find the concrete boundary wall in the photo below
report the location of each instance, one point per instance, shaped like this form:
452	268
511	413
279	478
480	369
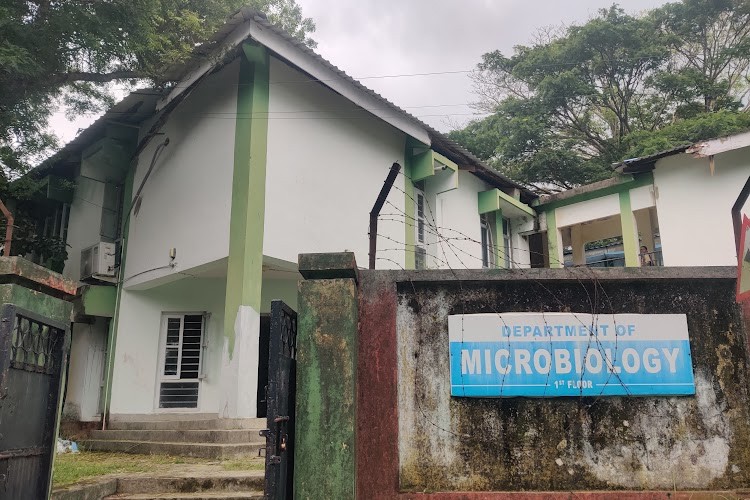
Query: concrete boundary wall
415	441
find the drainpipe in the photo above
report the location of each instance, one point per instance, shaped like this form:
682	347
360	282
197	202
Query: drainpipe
112	337
375	212
737	216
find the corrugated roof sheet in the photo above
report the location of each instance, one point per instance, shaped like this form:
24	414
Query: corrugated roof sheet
645	163
133	109
211	48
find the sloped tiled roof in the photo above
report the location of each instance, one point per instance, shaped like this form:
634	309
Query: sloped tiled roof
221	48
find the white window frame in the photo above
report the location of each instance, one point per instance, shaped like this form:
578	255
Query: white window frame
507	242
487	242
162	377
420	245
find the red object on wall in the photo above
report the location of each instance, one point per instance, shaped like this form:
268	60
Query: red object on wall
743	260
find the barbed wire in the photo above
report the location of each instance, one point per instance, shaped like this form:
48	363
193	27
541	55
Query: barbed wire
446	240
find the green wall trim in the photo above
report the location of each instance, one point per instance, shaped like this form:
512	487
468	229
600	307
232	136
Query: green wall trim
325	450
423	165
410	238
637	181
445	161
516	203
492	200
99	300
553	236
488	201
629	235
245	266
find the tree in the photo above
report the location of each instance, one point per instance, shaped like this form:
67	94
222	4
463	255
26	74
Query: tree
710	42
577	100
580	93
56	52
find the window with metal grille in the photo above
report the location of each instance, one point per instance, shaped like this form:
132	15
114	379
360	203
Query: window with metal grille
183	348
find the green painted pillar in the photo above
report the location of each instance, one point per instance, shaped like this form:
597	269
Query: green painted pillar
326	411
240	352
244	276
629	231
554	245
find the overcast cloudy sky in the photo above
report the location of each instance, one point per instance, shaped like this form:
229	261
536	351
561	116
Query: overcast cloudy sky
372	38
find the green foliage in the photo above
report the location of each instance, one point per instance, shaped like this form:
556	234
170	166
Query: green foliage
567	107
48	251
702	127
65	52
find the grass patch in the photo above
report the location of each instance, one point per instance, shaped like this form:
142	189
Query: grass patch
71	468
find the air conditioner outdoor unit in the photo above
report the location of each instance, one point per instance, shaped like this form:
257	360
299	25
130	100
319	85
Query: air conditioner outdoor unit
98	260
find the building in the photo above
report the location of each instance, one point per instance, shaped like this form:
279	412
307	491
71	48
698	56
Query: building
677	204
204	194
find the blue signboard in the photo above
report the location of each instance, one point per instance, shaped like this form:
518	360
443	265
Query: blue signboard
569	354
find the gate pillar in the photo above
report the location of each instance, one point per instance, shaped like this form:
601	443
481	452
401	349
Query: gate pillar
35	315
325	450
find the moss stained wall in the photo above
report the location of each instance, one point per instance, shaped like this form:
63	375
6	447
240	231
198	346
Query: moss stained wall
326	410
38	302
461	444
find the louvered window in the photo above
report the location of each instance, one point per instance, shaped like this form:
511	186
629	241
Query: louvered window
183	346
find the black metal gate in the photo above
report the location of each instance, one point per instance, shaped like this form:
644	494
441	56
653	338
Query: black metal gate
33	350
280	392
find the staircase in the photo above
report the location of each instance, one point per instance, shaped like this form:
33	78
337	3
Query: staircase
205	438
198	485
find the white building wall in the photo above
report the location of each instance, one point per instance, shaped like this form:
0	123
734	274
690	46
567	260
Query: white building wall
459	222
642	197
521	257
134	382
279	288
588	210
186	200
327	161
694	207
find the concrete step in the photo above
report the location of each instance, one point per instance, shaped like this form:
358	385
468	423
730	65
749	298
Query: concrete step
197	424
235	481
201	450
222	436
222	495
